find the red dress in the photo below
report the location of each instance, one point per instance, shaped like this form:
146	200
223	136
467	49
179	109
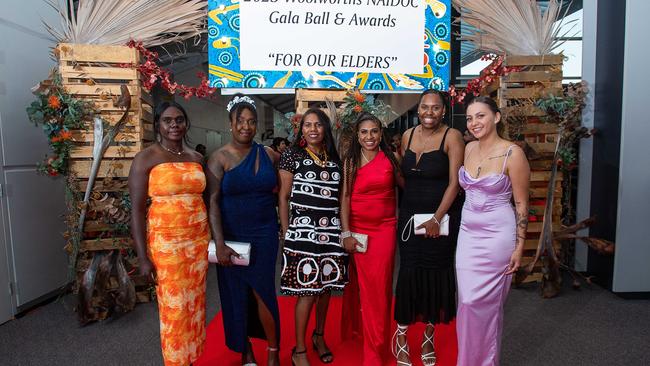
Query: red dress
372	212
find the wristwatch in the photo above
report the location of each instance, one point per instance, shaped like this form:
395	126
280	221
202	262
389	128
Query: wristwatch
346	234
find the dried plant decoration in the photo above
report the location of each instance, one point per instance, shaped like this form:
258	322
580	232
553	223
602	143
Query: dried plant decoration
116	22
517	27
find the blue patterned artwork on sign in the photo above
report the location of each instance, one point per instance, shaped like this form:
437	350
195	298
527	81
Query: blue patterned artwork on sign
224	55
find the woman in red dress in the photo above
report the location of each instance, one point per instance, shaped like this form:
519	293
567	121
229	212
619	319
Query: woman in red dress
368	205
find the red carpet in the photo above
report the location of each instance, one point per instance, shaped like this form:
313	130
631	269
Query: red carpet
345	353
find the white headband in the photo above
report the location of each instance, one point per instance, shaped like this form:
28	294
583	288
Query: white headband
237	100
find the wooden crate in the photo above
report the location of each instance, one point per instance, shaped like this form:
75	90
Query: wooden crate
538	77
308	98
95	73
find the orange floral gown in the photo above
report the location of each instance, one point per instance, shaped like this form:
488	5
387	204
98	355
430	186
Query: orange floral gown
177	238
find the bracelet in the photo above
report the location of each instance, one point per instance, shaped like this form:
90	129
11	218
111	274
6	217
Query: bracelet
435	220
346	234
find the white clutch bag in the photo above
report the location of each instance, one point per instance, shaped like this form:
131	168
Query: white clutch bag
243	249
363	242
418	219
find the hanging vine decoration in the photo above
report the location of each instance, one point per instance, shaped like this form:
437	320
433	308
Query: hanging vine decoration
487	76
152	73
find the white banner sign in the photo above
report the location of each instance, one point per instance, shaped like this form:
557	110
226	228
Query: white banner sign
382	36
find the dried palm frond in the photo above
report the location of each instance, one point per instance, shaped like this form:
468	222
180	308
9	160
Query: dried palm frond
115	22
517	27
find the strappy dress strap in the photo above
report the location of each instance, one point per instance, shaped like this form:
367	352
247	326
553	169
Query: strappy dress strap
408	146
442	143
505	160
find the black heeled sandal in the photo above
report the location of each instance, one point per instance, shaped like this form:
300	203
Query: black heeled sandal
296	353
323	356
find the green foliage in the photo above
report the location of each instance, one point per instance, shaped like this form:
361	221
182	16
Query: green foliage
357	103
566	111
58	112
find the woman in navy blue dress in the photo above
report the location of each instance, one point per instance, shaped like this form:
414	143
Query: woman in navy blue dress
242	177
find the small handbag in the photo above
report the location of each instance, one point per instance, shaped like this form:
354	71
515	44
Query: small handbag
363	242
418	219
243	249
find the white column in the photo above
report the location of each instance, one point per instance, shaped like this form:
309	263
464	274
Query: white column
631	269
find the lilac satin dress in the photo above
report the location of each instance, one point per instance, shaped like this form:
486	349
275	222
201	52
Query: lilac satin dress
486	242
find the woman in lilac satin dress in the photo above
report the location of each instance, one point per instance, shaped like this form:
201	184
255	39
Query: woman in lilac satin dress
492	233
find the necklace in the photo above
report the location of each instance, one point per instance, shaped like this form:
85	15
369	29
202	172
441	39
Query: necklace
480	163
320	162
179	153
432	133
365	158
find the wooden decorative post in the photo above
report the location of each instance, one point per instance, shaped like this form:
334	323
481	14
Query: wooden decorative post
95	73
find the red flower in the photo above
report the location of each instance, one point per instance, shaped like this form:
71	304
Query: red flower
358	96
357	108
53	102
65	135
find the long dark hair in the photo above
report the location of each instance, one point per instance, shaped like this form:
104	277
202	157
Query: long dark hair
485	100
353	154
161	108
328	140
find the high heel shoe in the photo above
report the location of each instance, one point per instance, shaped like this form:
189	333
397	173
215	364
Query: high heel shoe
296	353
325	357
428	359
398	348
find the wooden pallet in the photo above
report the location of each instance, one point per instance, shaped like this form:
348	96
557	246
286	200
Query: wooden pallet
540	76
308	98
95	73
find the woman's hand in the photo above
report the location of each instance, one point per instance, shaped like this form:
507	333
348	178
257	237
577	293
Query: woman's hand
224	253
515	261
350	244
147	269
283	233
432	228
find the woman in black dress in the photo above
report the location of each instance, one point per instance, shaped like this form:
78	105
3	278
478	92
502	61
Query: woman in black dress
314	261
426	284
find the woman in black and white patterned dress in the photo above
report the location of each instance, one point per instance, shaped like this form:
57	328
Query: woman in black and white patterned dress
314	261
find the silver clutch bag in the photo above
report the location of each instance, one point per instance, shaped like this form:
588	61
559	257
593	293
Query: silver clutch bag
243	249
363	242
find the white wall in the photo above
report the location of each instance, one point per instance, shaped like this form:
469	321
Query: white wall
206	115
589	21
632	258
32	205
209	118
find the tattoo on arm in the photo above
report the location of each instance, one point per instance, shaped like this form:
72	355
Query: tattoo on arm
522	220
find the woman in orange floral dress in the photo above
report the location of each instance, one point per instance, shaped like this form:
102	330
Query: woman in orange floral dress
172	241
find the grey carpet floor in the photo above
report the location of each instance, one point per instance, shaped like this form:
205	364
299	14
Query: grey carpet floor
586	327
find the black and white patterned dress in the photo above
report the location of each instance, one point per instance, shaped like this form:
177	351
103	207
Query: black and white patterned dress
313	259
